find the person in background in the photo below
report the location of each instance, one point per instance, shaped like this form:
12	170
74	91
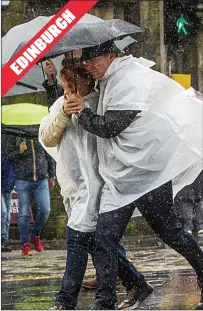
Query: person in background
35	174
189	204
7	185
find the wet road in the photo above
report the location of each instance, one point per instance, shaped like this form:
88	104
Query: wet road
31	283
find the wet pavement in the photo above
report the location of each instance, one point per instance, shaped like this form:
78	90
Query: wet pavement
31	283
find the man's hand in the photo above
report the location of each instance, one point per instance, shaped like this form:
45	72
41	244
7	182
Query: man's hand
73	105
50	71
23	146
52	183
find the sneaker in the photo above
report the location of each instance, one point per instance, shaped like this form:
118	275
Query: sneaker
26	249
189	231
35	240
58	307
200	231
200	305
61	307
135	296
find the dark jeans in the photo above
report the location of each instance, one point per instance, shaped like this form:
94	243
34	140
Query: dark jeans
79	244
157	209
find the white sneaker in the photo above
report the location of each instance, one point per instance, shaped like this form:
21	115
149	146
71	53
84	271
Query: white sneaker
189	231
200	231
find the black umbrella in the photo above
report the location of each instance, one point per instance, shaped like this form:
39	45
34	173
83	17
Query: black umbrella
89	34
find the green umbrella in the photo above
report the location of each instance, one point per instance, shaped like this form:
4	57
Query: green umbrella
22	119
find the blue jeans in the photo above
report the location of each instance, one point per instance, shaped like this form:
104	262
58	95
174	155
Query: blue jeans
25	189
79	244
5	215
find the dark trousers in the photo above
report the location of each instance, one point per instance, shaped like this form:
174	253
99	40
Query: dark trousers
79	244
157	209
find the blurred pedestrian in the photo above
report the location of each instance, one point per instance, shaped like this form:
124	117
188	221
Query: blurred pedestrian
7	185
35	174
189	204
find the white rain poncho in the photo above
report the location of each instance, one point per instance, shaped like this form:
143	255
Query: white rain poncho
77	169
163	143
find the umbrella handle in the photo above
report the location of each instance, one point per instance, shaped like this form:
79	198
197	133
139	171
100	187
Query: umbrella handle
43	70
74	72
55	87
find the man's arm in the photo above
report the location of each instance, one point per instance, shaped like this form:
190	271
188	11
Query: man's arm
20	153
110	125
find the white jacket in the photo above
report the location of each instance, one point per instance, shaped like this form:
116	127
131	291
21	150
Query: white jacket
163	144
77	165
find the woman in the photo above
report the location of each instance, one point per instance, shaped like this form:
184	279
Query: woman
77	173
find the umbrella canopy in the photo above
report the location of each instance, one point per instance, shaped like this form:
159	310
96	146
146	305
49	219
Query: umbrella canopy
19	35
84	35
34	78
88	35
22	119
32	81
26	31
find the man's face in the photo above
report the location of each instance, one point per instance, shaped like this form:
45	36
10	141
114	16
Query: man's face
97	66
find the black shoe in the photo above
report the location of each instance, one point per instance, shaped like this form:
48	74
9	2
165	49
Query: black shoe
200	305
135	296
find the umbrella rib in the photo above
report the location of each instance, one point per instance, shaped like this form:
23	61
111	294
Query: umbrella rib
27	85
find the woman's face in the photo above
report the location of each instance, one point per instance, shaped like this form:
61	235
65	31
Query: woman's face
69	81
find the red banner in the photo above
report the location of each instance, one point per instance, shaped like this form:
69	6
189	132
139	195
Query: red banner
38	46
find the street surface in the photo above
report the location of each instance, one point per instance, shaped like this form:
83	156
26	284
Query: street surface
31	283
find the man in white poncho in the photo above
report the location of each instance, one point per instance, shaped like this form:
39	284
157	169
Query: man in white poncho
139	155
77	174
